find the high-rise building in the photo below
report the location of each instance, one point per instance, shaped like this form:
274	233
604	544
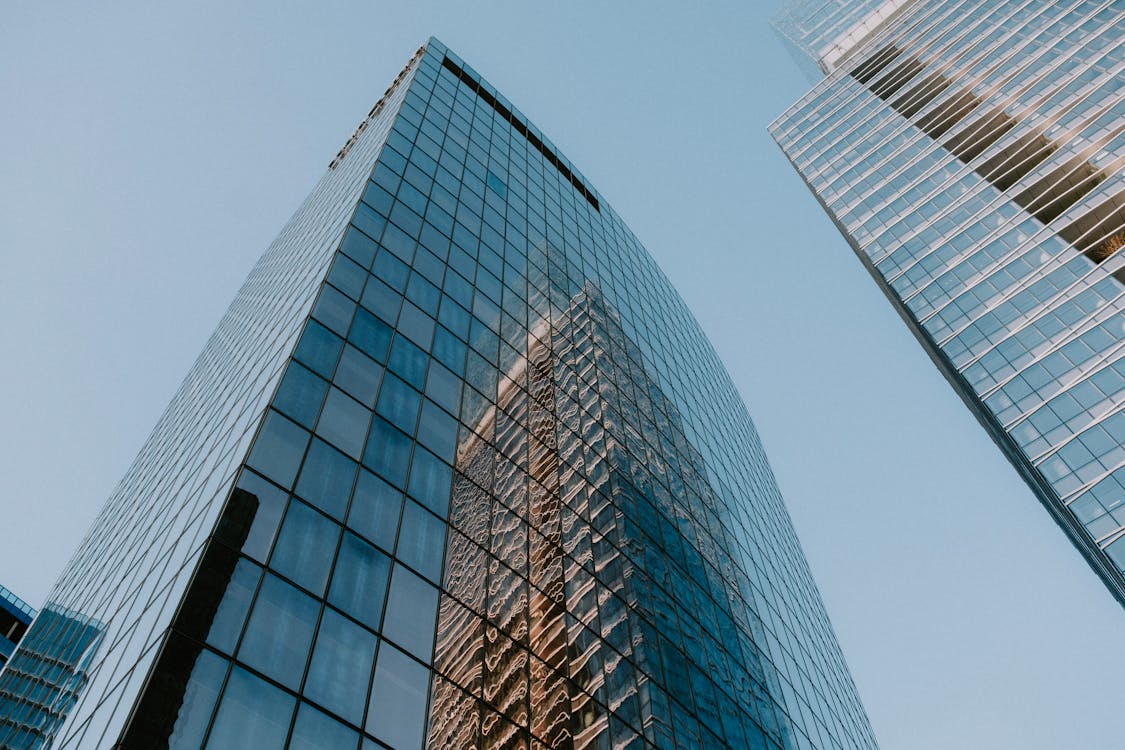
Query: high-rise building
457	469
15	616
971	152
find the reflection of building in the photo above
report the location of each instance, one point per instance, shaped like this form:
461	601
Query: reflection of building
972	155
589	638
459	469
15	616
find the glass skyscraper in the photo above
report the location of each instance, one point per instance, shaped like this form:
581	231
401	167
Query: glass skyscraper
15	616
971	152
458	469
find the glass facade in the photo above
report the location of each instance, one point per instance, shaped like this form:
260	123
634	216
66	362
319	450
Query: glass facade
15	616
971	153
495	489
825	32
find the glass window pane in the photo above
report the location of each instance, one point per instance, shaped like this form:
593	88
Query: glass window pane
280	632
388	452
437	431
430	481
334	310
319	349
343	422
316	730
347	276
398	402
300	394
176	707
359	582
444	387
375	510
268	503
278	449
416	325
411	609
408	362
305	547
359	376
253	713
341	666
371	335
396	712
326	479
226	625
359	247
421	543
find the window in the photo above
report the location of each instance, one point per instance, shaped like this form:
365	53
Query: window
421	543
278	449
305	547
253	714
326	479
343	422
315	730
375	510
359	583
280	631
396	713
411	609
341	666
300	394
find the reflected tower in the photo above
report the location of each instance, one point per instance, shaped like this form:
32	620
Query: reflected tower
458	469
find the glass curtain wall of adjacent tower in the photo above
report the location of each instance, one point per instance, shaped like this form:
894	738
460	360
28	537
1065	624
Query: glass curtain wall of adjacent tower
972	154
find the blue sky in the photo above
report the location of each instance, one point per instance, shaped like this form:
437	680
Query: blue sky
149	153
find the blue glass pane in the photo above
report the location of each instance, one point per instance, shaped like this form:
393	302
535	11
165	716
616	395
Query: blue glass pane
396	712
300	394
278	449
334	310
375	510
430	480
359	582
359	376
326	479
315	730
359	247
305	547
408	362
253	713
268	503
319	348
280	632
398	403
421	543
437	431
388	452
411	608
370	335
341	666
194	711
227	623
343	422
347	276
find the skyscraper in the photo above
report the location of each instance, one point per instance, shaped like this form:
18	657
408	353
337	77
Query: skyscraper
15	616
971	153
457	469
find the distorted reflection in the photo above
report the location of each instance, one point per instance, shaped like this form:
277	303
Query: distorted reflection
577	574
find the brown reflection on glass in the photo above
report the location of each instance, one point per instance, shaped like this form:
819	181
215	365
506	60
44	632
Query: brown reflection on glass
553	595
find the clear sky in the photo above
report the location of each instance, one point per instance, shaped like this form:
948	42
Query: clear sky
148	155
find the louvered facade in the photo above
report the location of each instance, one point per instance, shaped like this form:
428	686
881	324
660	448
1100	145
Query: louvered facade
971	152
